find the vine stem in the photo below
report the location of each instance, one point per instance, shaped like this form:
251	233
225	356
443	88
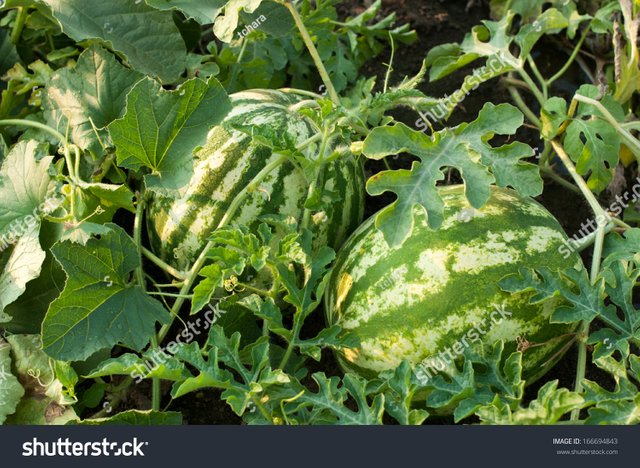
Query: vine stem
595	264
71	166
19	25
532	86
29	123
137	238
517	98
162	264
313	51
572	57
202	258
548	171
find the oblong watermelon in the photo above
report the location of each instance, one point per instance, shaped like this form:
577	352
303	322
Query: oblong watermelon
179	227
439	290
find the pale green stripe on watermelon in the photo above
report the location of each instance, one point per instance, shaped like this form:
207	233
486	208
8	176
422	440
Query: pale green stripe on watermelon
412	301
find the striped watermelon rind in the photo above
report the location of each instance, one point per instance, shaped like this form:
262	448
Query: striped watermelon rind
179	227
413	301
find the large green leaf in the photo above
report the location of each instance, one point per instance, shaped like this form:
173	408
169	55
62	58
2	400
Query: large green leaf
95	90
203	11
98	307
161	129
10	389
148	38
23	265
465	148
25	185
25	191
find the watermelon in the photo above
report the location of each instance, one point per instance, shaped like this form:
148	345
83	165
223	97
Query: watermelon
437	294
179	226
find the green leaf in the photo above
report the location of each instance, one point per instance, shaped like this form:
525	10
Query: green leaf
49	385
203	11
548	408
490	40
8	54
136	418
333	337
552	116
624	246
95	90
618	332
583	301
458	148
620	406
10	389
98	307
210	375
25	191
23	265
551	21
316	267
152	364
131	28
592	142
401	388
484	375
25	186
327	406
161	129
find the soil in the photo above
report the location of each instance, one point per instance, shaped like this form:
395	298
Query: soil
436	22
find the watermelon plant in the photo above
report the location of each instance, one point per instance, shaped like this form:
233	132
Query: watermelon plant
183	219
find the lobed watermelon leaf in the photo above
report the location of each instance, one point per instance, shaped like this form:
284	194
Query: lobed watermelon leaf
465	148
473	387
548	408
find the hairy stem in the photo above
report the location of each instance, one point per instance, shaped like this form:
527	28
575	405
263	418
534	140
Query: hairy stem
19	25
595	264
162	264
137	237
313	51
572	57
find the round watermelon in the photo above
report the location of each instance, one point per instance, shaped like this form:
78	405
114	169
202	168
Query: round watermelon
437	294
180	226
